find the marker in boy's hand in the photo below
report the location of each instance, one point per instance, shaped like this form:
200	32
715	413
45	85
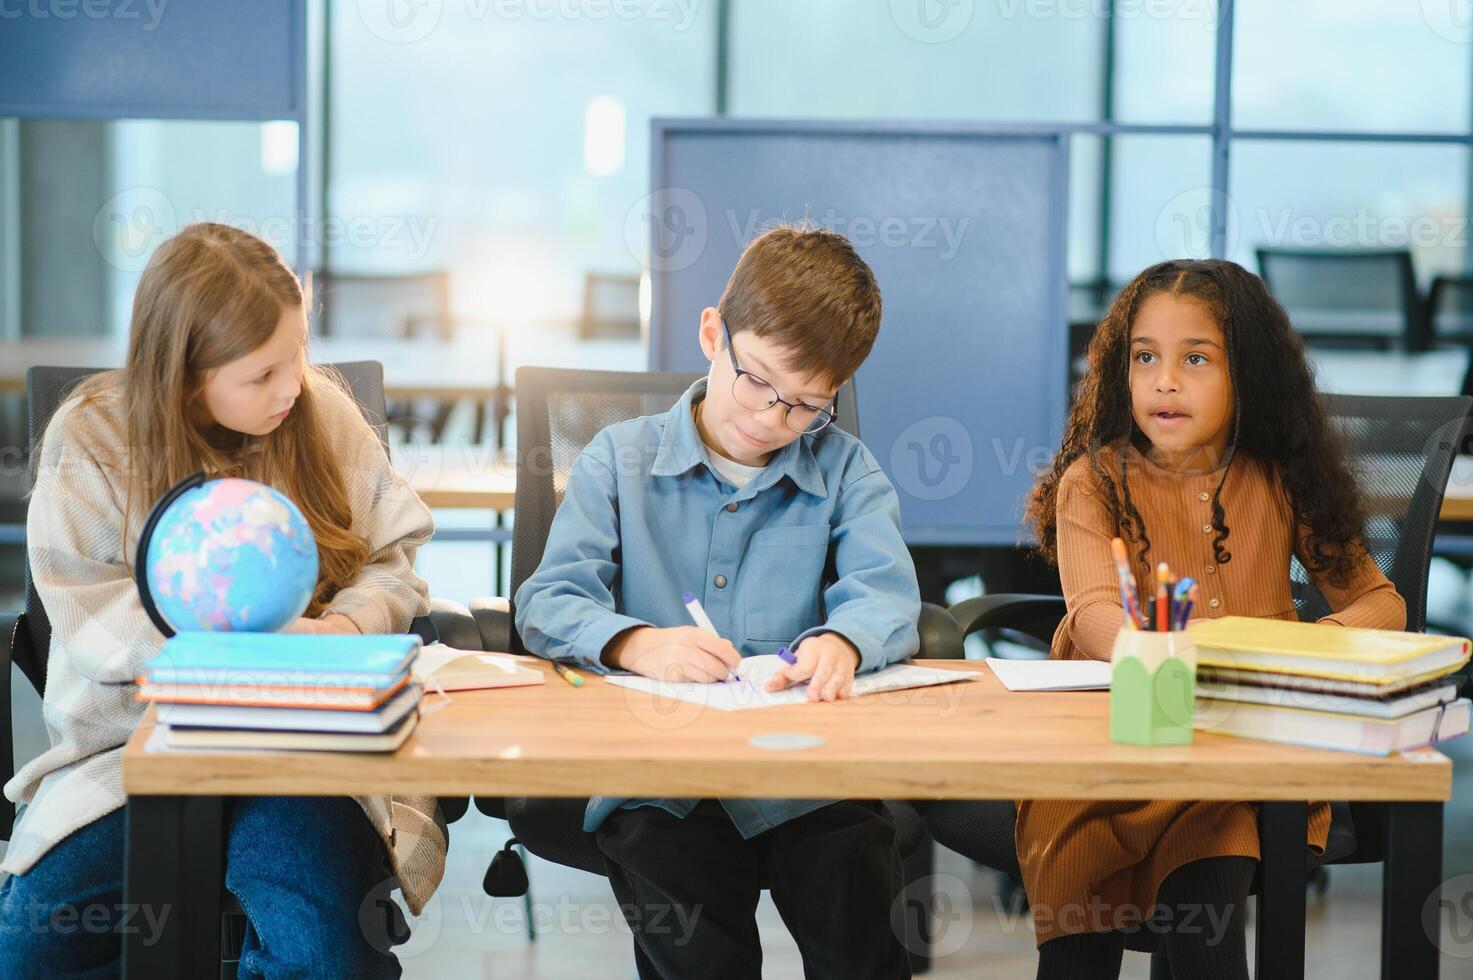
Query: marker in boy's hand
681	653
827	662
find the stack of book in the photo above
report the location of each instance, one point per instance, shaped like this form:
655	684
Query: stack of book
258	691
1331	687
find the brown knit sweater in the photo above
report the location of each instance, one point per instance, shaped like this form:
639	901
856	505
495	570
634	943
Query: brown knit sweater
1094	866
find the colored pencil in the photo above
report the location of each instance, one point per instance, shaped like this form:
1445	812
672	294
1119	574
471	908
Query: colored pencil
1163	598
1129	595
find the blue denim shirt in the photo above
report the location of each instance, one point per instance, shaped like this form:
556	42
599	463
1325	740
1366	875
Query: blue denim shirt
811	545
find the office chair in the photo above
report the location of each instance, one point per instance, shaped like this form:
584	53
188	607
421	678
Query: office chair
1341	294
1450	312
610	306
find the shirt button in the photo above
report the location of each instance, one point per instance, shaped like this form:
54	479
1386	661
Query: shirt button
731	508
1206	528
1215	603
721	582
1204	495
1211	569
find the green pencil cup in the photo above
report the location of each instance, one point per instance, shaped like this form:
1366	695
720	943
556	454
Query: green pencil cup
1152	688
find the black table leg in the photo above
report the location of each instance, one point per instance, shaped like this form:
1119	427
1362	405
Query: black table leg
1282	831
1411	875
173	879
918	870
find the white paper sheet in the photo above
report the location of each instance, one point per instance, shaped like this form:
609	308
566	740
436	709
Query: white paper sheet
746	693
1051	675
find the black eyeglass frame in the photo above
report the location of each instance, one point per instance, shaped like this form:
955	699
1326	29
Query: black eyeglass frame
829	415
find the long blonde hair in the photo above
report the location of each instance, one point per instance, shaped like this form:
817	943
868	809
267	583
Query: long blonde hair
210	295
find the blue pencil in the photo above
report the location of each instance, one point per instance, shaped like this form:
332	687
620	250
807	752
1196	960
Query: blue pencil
1185	590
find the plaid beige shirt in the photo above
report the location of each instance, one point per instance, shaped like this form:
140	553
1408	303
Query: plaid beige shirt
75	537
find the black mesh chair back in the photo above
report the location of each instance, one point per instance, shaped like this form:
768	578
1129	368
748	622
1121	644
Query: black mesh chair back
48	387
1401	452
559	412
1348	294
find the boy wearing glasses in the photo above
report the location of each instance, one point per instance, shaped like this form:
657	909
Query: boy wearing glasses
783	525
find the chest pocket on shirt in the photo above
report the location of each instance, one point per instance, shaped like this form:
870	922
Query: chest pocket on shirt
782	581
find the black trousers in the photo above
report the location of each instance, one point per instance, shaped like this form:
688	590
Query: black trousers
1201	910
689	890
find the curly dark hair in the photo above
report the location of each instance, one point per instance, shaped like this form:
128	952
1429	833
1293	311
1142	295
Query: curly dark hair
1279	420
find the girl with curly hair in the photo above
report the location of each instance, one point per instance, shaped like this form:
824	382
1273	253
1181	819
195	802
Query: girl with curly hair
1198	437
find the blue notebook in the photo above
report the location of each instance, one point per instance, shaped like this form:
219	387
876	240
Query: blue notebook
349	659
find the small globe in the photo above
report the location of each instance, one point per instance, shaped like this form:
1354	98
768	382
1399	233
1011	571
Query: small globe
231	555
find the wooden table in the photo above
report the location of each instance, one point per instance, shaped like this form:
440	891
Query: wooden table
463	477
967	741
1457	504
459	477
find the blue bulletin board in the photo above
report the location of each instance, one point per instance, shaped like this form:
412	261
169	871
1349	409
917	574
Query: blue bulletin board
963	398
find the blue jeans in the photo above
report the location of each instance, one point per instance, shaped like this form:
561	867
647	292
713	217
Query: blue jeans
311	875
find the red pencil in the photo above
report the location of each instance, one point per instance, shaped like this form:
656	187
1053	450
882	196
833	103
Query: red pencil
1163	598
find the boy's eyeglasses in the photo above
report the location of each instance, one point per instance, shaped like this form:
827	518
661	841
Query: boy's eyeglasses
757	395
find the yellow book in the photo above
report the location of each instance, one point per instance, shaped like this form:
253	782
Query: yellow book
1381	657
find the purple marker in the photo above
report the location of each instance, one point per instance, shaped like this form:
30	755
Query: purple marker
788	656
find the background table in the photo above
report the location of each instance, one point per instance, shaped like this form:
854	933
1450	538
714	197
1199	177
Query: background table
474	364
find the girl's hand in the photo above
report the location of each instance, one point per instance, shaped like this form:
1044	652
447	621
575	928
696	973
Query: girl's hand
827	662
334	623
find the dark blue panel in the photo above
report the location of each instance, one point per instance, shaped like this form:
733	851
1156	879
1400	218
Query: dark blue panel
110	59
964	395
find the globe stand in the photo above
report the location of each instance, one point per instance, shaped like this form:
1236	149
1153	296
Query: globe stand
140	562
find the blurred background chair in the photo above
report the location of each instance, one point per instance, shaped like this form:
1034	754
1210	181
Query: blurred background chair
1348	295
610	306
400	307
1450	311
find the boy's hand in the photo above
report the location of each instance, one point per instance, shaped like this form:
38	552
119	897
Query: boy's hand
334	623
827	662
682	653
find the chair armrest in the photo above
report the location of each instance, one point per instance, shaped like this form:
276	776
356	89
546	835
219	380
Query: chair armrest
455	624
10	626
1008	611
492	806
9	635
494	621
940	639
452	808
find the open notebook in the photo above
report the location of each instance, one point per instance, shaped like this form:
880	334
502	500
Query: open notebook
442	668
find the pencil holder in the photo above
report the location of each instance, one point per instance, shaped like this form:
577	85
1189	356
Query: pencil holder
1152	688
